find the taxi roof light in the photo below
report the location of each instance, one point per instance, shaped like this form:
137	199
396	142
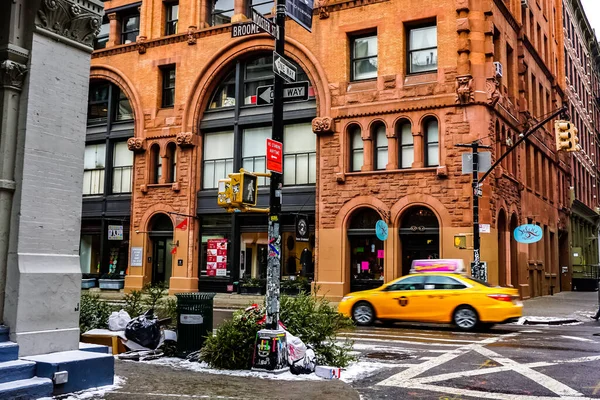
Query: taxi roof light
449	265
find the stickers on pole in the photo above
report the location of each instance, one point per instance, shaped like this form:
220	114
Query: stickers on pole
528	233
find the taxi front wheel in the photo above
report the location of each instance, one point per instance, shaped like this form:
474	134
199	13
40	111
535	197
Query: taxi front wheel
465	318
363	313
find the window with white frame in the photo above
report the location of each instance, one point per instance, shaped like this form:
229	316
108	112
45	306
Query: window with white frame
254	151
356	149
122	168
432	147
218	158
93	169
407	148
381	147
299	155
422	49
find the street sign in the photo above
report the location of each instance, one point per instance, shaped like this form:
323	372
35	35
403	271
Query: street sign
245	29
291	92
484	162
274	156
265	24
284	68
300	11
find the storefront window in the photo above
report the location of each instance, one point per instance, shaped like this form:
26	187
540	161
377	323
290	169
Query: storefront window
89	254
366	251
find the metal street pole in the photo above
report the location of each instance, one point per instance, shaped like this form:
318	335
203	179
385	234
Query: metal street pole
475	271
274	259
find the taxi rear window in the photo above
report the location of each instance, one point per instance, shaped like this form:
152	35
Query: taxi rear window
484	283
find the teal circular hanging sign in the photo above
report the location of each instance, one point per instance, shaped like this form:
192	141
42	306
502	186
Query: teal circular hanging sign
528	233
381	230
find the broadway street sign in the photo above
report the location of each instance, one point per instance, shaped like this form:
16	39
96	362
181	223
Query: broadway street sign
265	24
300	11
291	92
284	68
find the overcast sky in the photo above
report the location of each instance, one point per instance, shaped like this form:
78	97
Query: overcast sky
592	11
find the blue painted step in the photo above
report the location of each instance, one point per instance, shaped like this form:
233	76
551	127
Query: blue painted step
16	370
9	351
26	389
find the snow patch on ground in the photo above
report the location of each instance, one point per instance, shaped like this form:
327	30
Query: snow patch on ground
101	391
546	321
356	370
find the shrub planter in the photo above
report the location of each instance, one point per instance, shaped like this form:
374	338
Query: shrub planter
250	290
290	291
88	283
112	283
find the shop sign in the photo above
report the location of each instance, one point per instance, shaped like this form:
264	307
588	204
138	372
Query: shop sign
216	257
484	228
137	257
528	233
115	232
381	230
302	228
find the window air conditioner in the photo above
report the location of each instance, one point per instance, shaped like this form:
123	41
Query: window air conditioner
498	69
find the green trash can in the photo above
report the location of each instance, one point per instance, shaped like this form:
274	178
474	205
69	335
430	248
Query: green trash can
194	321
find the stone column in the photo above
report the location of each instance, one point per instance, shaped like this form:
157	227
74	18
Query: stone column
43	279
419	161
239	11
114	34
392	148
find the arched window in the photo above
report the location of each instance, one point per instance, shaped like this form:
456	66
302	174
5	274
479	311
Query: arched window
357	153
432	146
172	159
156	164
381	146
406	153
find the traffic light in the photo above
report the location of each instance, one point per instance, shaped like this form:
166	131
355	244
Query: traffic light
574	141
563	133
244	187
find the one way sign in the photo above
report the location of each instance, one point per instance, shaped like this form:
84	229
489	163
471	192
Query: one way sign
291	92
282	67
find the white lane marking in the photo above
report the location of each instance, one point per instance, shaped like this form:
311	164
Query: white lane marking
406	337
426	358
400	378
531	331
549	383
400	341
489	395
578	338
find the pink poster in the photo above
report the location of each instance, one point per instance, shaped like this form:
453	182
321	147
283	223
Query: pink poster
364	265
380	253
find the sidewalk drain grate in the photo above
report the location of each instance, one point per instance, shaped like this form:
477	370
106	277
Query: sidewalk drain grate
389	356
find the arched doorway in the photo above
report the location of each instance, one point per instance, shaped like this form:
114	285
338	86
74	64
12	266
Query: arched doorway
161	237
419	236
514	271
366	250
502	259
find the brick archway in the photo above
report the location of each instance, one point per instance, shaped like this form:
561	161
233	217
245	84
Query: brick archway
113	75
208	78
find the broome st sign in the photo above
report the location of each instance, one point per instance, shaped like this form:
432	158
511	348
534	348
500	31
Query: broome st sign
245	29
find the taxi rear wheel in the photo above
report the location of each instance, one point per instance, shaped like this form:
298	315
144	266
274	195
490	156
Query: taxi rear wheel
363	313
465	318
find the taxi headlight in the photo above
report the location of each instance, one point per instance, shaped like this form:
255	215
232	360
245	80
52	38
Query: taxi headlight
346	298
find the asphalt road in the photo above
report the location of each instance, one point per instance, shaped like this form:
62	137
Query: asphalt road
510	362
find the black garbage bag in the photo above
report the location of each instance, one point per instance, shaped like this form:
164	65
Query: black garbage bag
144	330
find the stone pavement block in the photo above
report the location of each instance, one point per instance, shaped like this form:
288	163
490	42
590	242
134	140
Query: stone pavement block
564	304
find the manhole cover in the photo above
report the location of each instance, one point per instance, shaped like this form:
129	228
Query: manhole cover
389	356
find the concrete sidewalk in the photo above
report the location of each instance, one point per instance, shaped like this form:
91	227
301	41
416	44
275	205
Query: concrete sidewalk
567	305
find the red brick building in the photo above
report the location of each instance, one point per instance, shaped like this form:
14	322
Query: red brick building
394	86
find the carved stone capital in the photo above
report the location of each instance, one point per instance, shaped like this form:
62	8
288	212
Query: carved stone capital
323	125
136	145
191	39
185	139
323	13
464	89
492	87
112	16
12	74
78	21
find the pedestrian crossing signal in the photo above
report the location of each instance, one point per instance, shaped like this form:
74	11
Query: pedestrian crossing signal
244	188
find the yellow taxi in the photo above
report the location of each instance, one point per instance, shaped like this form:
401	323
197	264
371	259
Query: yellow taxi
436	291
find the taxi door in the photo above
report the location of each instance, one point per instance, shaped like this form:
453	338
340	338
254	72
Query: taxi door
444	294
402	300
